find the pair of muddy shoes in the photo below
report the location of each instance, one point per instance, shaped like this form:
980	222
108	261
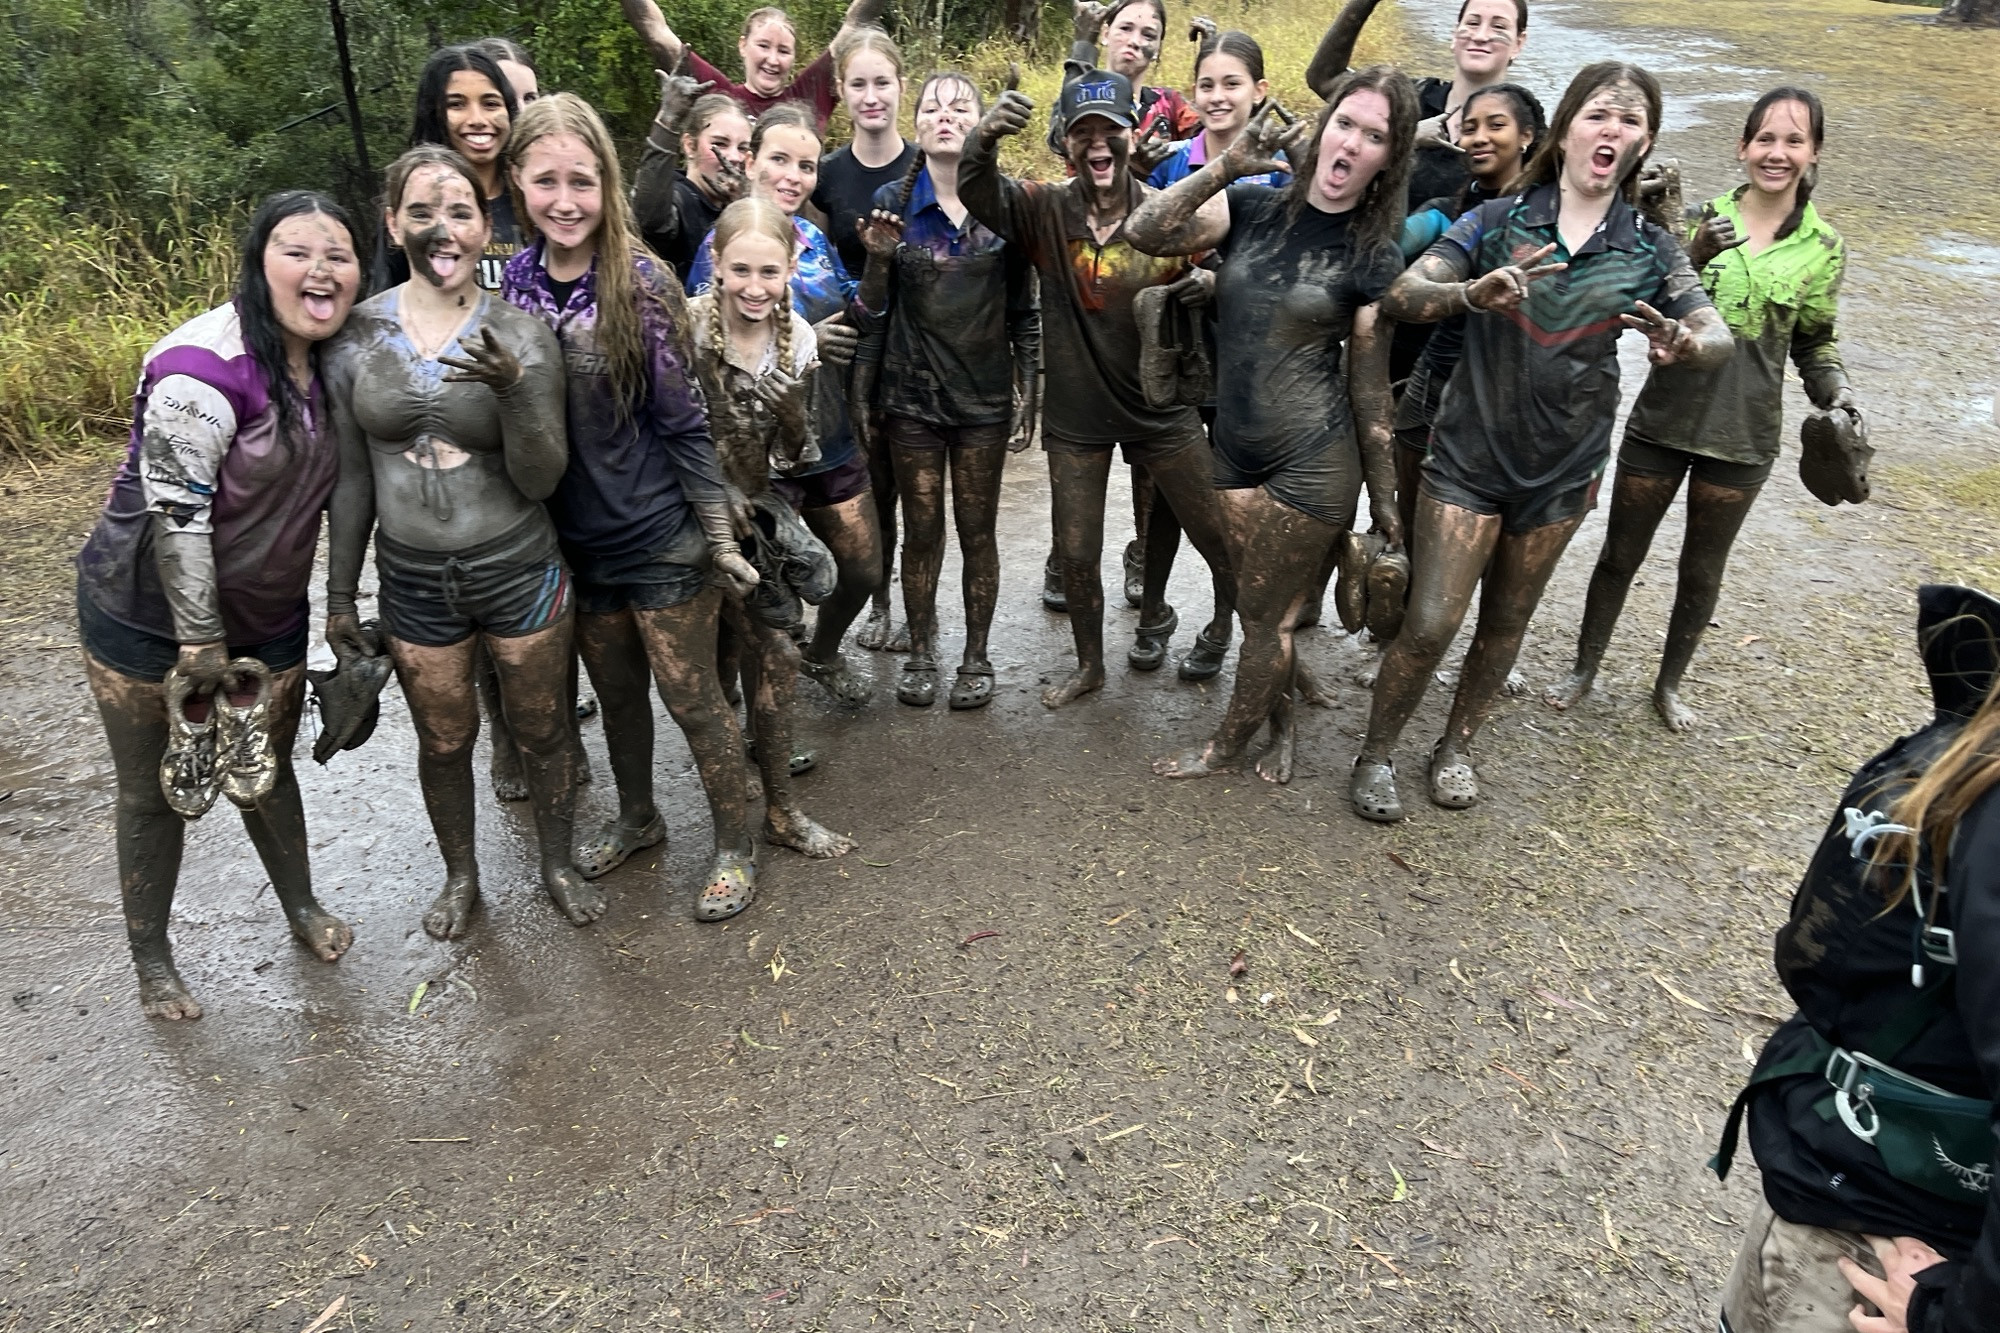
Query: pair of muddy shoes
1174	365
1372	585
217	745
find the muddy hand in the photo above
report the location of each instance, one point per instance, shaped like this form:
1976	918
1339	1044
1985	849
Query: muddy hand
1505	288
881	232
730	182
786	397
1021	431
203	665
742	514
1436	132
1202	28
1088	19
739	577
1387	518
1260	147
1669	339
678	93
1715	234
1152	148
837	340
348	640
1197	288
485	362
1009	115
1013	77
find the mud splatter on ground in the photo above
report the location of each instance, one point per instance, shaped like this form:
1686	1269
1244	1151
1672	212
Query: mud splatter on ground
1467	1081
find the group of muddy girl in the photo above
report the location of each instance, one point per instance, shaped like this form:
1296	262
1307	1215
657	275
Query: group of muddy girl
643	428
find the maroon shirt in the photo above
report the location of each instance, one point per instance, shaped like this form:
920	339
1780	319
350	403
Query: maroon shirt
813	85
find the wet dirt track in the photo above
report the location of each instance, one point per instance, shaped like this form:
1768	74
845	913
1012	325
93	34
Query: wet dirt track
1468	1080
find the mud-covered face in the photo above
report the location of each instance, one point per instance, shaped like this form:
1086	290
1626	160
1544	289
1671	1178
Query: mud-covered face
786	167
946	114
872	91
755	272
440	228
522	80
1779	154
1495	142
724	139
475	116
1487	39
1132	39
1353	149
1224	94
1606	140
769	51
313	273
1100	150
562	186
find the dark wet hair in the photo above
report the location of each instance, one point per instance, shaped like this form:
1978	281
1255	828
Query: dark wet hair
1526	109
1379	217
430	125
785	115
1230	42
1520	14
1815	126
263	336
1545	166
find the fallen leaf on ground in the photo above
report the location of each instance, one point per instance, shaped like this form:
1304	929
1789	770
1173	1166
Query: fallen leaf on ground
1301	934
1239	963
1402	863
1402	1186
417	996
1677	993
326	1316
1121	916
1229	995
1305	1037
1329	1017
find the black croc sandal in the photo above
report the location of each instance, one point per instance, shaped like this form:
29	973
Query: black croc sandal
1054	596
1204	660
973	688
918	687
1149	647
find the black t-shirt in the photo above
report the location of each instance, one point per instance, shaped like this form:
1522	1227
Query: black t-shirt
696	216
846	192
1285	301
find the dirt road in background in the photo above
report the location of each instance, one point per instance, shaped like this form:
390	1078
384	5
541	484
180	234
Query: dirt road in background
991	1071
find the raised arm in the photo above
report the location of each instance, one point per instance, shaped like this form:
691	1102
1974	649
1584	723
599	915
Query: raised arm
861	13
1192	215
1336	49
985	192
1374	416
651	25
655	206
1434	287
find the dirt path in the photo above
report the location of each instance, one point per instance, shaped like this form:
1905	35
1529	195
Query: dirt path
1468	1080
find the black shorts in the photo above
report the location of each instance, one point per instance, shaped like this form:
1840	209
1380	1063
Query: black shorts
1138	453
1518	513
823	490
511	585
904	433
1325	485
1660	460
641	580
143	655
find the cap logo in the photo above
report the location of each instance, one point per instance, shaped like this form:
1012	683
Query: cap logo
1105	91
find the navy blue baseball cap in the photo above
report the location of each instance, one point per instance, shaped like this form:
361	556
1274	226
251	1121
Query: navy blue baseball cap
1099	93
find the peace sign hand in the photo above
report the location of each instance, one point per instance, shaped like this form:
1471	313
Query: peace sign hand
1505	288
1152	148
1669	338
1261	145
485	362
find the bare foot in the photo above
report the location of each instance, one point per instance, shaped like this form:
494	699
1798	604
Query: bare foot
1571	691
789	828
321	931
509	782
1516	686
1364	675
451	910
1074	686
576	897
879	630
1196	763
162	993
1308	686
1275	764
1677	715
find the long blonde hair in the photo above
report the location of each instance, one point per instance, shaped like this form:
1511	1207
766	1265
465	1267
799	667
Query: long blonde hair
1935	803
621	335
752	215
867	37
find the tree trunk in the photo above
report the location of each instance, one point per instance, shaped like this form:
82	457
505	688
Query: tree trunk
1974	13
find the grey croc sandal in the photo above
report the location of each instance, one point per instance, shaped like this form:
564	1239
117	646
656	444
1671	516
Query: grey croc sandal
918	687
838	679
973	688
1149	645
732	885
1454	785
615	845
1372	789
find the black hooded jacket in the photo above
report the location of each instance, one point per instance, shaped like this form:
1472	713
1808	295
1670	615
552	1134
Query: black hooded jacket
1847	963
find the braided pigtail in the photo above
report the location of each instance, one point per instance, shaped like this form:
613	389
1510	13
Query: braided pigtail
909	185
784	337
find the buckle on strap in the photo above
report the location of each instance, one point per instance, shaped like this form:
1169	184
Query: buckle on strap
1853	1098
1939	945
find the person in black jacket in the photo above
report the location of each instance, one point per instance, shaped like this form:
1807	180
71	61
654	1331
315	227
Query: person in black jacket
1870	1110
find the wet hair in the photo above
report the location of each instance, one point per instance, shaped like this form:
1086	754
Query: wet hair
867	37
767	219
1815	126
621	286
707	109
427	155
1520	14
769	14
431	125
1546	163
908	185
1526	109
1230	42
504	48
256	313
785	115
1379	217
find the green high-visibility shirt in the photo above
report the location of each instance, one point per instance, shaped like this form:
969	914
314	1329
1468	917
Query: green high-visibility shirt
1781	300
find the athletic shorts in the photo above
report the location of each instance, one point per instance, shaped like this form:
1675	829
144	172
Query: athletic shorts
511	585
1518	513
641	580
143	655
903	433
1138	453
823	490
1325	485
1660	460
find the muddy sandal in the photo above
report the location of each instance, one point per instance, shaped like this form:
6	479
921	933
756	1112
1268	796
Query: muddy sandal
918	687
1454	786
838	679
189	778
614	845
1135	573
1372	789
973	688
1054	596
732	884
1204	660
1149	647
246	760
804	760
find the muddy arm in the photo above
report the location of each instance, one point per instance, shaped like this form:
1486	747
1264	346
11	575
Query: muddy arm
986	193
185	431
860	13
651	25
1713	342
1816	343
1374	415
1431	289
1187	217
1336	49
351	513
534	428
654	206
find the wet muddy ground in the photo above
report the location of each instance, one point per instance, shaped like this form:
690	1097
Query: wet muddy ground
991	1071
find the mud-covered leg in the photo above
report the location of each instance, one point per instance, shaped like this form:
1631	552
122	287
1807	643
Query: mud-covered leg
976	470
880	631
534	670
1715	516
680	643
920	479
773	689
1157	543
1186	479
1275	764
615	656
509	782
277	827
1076	496
438	685
853	535
1638	503
150	835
